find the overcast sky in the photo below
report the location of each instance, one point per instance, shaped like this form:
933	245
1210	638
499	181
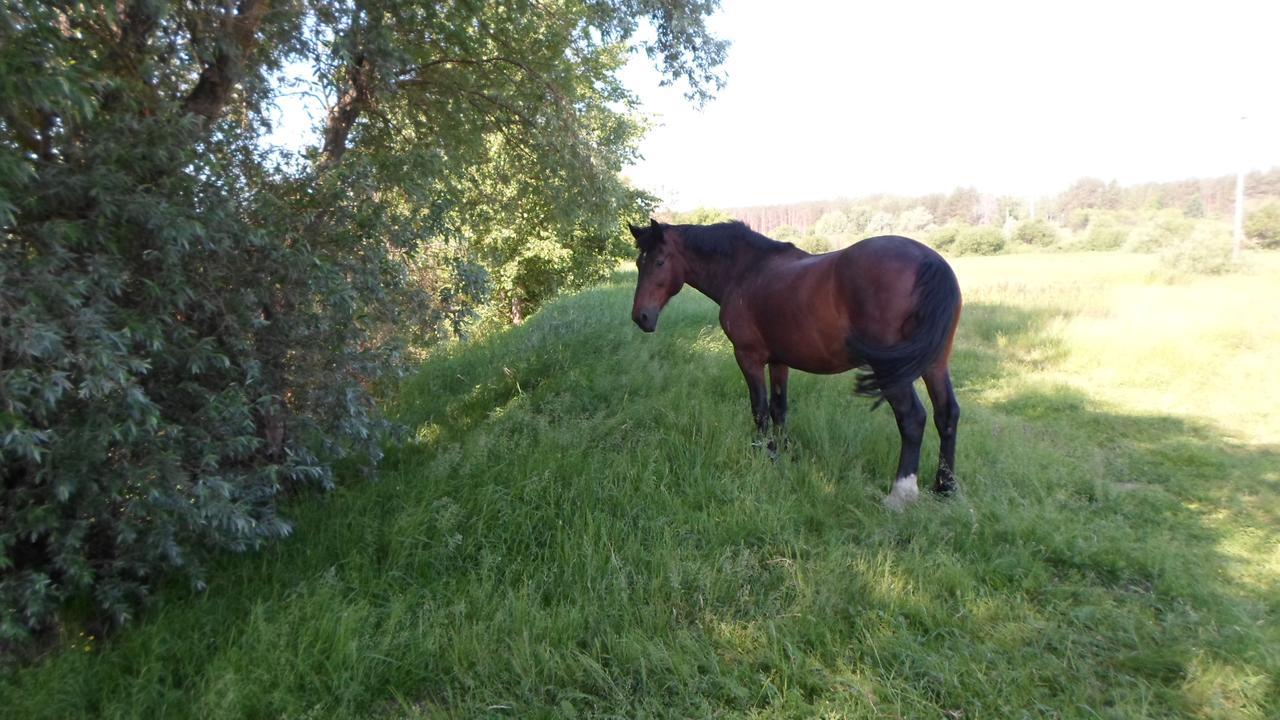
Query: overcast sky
841	99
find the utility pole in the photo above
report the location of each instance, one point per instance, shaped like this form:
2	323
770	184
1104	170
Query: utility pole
1237	236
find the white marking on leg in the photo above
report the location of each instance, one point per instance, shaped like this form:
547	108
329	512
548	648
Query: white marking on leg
903	494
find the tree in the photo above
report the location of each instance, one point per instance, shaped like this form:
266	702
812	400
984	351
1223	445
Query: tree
963	206
1263	226
978	240
191	323
1037	233
914	220
701	216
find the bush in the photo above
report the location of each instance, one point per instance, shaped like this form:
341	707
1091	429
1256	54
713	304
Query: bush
1103	235
1164	229
815	244
193	323
1037	233
1263	226
1206	252
943	238
978	240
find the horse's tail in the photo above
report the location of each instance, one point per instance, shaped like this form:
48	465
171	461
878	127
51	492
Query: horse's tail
937	308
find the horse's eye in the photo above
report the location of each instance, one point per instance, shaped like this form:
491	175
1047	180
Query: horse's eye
660	262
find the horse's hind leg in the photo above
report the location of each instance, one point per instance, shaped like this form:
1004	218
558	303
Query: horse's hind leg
946	416
909	412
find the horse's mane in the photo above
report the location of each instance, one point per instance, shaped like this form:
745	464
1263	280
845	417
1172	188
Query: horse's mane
727	238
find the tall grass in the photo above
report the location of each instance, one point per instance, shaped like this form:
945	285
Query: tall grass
580	526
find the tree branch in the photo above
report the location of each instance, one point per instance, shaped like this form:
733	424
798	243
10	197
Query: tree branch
238	37
356	99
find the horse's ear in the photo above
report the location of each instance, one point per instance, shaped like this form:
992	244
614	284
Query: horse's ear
647	237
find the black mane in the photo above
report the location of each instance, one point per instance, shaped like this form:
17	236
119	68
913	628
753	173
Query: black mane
727	238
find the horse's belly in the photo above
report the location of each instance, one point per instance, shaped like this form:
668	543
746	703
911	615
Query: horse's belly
822	353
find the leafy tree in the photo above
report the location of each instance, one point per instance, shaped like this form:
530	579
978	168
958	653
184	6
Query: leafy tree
832	224
701	216
963	206
978	240
943	238
1104	233
191	323
785	233
1263	226
815	244
913	220
1037	233
1162	229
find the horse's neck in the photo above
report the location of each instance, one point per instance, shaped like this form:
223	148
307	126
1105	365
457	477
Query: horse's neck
716	275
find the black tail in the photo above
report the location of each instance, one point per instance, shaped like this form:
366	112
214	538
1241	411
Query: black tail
937	303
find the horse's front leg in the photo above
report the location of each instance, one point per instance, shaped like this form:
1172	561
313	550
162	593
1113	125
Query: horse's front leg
778	374
752	366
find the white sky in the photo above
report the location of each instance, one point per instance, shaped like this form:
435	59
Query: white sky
842	99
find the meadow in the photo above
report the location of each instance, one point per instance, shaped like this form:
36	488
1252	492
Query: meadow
579	525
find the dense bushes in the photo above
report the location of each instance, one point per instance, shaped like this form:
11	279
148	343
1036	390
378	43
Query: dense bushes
192	323
978	240
1263	226
1036	233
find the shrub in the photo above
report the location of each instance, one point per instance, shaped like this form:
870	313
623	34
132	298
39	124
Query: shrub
1263	226
978	240
192	323
1037	233
1206	252
815	244
1103	235
1163	229
944	237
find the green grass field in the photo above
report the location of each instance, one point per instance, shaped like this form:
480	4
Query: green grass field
580	526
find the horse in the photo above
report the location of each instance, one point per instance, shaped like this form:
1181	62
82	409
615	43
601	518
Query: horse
887	306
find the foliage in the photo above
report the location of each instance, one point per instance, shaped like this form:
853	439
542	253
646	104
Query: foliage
978	240
701	216
1163	229
192	323
1103	233
913	220
785	233
834	224
1036	233
581	529
943	238
1205	252
1263	226
812	243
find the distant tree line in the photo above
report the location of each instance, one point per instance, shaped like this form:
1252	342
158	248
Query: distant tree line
1185	220
1196	198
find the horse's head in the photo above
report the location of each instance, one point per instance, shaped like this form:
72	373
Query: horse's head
661	276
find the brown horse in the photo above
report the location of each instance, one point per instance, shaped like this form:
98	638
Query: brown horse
888	305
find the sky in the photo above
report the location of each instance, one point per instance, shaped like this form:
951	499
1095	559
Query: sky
844	99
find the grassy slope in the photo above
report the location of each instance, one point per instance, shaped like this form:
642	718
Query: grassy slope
581	527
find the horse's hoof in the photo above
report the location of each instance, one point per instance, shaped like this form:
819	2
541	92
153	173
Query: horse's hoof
769	448
904	493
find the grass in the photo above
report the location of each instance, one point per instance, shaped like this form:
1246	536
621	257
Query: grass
580	527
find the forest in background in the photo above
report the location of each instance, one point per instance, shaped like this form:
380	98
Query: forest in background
1187	221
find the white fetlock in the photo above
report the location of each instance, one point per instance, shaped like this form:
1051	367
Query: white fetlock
903	494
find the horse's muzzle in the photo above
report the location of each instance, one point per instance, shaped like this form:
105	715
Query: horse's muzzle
646	319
